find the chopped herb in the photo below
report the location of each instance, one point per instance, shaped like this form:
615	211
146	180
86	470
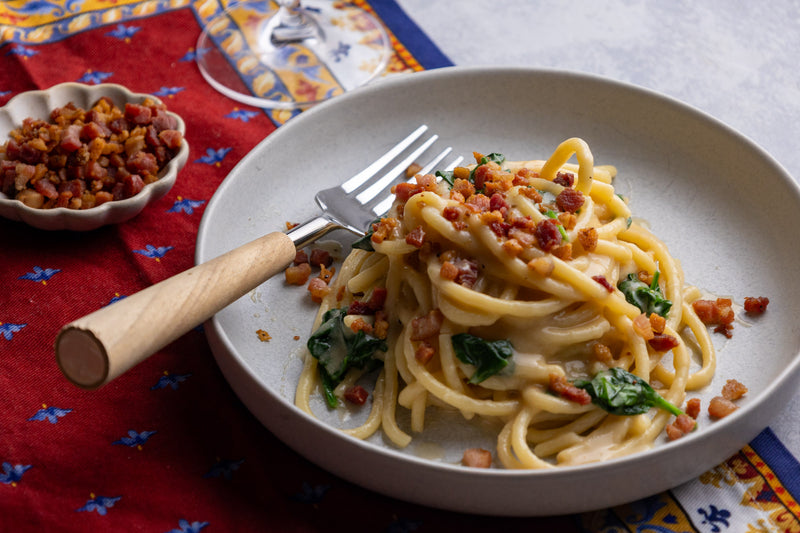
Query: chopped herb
649	299
621	393
552	214
628	222
338	349
488	357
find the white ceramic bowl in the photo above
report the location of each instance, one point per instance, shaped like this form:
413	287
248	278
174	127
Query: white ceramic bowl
39	104
661	148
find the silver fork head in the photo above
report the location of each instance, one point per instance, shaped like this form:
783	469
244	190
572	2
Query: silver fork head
353	206
383	206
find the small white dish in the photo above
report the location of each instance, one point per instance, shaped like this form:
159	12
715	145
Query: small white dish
39	104
707	191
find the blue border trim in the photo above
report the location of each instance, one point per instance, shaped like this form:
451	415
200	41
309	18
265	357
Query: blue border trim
779	459
410	35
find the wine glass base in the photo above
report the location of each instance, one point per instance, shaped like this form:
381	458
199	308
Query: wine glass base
244	56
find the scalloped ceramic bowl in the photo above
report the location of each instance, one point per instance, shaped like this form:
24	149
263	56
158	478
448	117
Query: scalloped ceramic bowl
38	104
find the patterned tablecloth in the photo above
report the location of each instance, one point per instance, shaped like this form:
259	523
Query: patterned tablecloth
168	447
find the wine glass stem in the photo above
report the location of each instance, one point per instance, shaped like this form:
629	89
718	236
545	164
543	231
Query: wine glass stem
292	24
290	14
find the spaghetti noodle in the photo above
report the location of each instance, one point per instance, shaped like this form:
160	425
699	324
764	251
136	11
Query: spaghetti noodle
499	291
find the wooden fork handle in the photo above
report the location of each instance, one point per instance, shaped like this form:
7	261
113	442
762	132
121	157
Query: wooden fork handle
98	347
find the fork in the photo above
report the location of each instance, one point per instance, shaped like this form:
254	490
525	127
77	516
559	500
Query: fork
95	349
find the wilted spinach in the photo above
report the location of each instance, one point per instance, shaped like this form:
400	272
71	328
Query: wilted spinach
621	393
365	242
338	349
488	357
649	299
446	175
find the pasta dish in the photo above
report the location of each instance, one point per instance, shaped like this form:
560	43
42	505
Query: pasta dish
520	293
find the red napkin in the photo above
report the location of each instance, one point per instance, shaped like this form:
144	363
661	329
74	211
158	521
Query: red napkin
167	446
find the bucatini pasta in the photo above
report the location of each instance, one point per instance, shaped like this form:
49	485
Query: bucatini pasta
520	292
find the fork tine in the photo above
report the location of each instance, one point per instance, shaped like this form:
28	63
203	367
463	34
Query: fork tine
359	179
352	210
384	205
427	169
375	189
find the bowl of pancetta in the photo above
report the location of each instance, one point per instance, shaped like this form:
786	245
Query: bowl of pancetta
78	157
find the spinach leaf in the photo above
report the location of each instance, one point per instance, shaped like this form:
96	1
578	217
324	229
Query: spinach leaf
493	157
338	350
446	175
488	357
621	393
365	242
328	386
648	299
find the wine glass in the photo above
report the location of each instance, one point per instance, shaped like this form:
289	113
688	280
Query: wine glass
279	54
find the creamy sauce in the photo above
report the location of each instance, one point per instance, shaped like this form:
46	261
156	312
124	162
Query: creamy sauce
429	450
